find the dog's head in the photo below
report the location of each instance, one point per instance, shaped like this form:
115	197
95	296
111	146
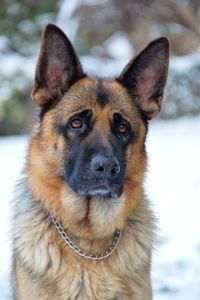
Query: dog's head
91	136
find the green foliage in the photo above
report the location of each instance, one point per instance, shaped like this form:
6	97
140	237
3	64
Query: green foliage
22	22
16	113
183	93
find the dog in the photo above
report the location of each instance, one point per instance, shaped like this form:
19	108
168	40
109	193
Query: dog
83	228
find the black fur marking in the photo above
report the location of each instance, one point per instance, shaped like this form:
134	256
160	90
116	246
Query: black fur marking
130	136
79	172
102	94
65	129
49	105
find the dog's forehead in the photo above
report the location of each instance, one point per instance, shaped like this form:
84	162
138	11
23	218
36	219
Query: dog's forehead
97	94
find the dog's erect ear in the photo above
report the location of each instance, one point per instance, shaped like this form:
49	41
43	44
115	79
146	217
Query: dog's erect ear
145	77
58	66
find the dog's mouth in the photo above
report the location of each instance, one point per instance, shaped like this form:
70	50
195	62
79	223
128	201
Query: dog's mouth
99	191
103	185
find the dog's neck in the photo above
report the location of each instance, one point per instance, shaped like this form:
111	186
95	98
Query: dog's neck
76	249
90	219
42	242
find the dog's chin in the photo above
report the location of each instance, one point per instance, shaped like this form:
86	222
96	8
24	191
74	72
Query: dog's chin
98	192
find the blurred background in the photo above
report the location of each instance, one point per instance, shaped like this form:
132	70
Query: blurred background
107	34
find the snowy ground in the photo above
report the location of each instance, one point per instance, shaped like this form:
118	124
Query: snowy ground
173	184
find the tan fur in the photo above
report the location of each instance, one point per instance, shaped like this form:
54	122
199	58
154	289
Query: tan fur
45	268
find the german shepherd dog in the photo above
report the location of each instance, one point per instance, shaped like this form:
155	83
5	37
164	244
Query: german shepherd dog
82	227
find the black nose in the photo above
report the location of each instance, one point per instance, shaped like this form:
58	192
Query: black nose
103	166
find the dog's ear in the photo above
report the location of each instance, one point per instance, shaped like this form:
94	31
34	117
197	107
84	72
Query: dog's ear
58	66
145	77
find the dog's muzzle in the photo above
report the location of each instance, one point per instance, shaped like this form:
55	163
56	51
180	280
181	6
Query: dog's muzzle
100	177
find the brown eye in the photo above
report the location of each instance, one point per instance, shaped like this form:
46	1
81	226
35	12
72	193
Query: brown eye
122	129
76	124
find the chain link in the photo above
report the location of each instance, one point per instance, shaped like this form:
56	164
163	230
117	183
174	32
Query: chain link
77	250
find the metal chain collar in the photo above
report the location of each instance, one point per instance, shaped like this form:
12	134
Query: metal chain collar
80	252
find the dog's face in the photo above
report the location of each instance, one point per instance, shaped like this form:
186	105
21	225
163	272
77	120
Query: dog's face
91	136
97	136
96	164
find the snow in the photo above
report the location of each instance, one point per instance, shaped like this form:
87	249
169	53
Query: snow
185	63
12	152
173	185
67	18
17	70
119	47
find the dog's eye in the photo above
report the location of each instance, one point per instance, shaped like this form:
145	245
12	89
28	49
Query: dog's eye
76	123
122	128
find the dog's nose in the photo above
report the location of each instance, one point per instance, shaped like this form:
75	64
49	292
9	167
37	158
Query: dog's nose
103	166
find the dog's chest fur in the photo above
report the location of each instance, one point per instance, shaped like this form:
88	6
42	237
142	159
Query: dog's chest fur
47	266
